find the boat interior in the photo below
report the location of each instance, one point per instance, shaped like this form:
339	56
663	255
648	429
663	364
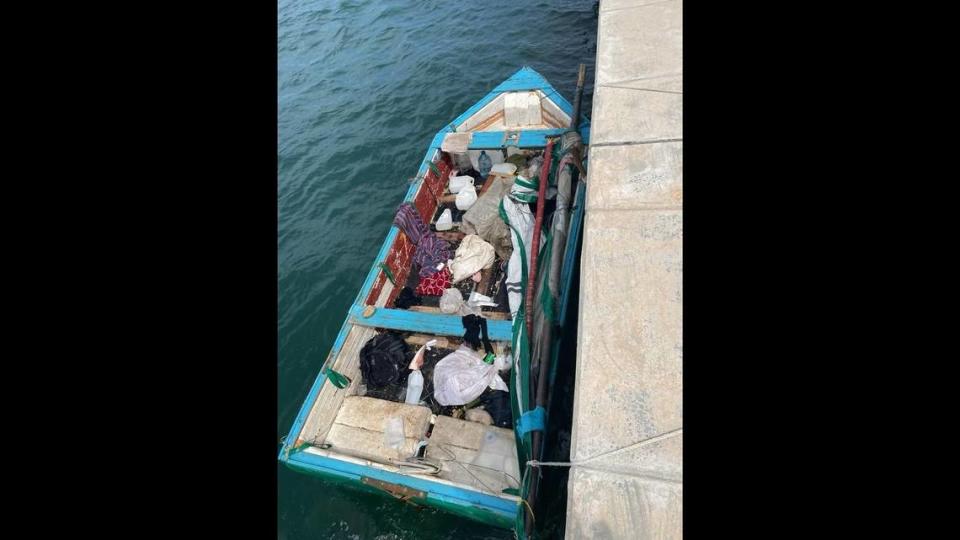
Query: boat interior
350	423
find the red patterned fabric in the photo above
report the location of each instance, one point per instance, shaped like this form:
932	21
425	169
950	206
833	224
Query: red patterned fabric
434	284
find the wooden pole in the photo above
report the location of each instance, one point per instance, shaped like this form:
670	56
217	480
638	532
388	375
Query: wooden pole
535	242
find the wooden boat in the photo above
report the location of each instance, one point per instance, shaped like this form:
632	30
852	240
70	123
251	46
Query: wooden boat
339	432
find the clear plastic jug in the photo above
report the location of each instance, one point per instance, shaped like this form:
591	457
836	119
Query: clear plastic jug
485	163
466	197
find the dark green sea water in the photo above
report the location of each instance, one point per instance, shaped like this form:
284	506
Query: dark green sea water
363	87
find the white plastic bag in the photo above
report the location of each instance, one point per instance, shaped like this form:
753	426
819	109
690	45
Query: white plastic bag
466	197
445	221
451	303
473	255
451	300
477	300
461	376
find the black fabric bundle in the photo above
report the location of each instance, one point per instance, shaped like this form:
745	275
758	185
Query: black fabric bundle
476	327
384	360
497	403
406	298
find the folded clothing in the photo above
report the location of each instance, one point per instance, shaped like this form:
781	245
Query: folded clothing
431	249
434	284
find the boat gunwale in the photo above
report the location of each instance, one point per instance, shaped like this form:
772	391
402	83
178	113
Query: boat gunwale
390	468
504	508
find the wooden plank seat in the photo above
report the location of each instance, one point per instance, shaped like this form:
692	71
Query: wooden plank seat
358	429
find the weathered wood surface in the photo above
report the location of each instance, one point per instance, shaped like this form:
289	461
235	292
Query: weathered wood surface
329	399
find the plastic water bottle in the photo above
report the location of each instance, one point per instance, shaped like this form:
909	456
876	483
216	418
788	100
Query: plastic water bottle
414	387
485	163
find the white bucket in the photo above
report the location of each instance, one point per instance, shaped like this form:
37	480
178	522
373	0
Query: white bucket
504	169
445	221
457	183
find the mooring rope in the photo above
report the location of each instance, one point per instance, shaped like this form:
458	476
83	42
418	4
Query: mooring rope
583	462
